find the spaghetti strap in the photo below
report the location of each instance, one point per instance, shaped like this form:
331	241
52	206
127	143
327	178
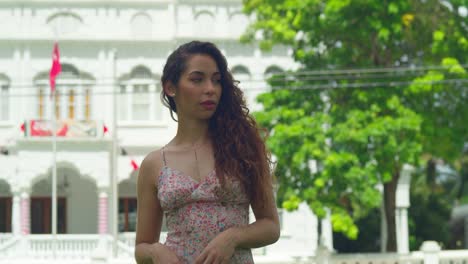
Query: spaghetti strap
164	156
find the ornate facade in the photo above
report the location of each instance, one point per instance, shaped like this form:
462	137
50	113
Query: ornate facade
112	55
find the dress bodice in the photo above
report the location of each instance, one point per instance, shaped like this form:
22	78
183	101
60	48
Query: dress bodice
197	211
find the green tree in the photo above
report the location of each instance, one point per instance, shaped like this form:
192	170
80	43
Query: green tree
360	137
432	203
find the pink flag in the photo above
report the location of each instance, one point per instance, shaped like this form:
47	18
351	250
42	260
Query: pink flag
56	68
134	165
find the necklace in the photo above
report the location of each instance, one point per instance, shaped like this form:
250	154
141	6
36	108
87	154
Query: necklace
195	152
196	162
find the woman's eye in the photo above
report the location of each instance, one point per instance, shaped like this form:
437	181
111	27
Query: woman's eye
197	80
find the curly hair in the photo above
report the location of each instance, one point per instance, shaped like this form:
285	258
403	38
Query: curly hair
239	149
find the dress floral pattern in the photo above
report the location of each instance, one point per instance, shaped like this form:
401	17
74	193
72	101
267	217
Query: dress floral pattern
197	211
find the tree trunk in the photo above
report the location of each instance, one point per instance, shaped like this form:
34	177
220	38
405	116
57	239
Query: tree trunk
390	206
431	173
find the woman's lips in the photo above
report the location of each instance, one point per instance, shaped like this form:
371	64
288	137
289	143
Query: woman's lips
208	105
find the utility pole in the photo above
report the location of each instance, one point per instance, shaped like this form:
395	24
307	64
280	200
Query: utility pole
114	155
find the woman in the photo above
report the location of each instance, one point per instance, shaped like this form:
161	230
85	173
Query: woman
206	177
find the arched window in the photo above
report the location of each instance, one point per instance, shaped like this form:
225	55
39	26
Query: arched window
272	70
237	24
141	25
64	23
240	73
204	25
4	98
139	96
72	95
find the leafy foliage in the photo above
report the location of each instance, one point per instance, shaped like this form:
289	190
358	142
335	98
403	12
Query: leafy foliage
359	128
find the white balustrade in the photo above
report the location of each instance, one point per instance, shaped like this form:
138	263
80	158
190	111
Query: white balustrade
33	249
66	246
8	247
5	237
374	258
453	257
128	238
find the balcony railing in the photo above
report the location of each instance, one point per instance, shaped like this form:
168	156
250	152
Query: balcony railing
63	128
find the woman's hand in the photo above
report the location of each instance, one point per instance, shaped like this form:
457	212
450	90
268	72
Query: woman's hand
219	250
162	255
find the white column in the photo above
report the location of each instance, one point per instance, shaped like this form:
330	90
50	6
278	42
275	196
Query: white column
402	205
25	216
16	214
403	246
399	236
153	102
326	237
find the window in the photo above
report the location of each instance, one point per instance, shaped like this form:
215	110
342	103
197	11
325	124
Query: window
41	208
87	104
142	26
204	25
4	103
272	70
139	97
41	105
141	103
127	214
64	23
71	104
237	24
240	73
72	95
5	214
58	94
123	100
273	75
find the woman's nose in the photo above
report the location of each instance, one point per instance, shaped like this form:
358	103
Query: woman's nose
210	87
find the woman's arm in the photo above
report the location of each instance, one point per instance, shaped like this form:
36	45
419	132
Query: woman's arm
149	212
264	231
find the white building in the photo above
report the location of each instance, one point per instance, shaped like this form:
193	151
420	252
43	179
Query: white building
107	48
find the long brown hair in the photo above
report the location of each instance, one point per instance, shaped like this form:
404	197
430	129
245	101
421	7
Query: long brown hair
239	149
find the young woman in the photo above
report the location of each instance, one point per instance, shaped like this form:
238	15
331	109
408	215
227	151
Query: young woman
206	177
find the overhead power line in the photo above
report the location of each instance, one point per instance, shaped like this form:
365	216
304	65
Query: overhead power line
266	88
297	76
371	70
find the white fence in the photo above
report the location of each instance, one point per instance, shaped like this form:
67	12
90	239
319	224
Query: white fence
94	249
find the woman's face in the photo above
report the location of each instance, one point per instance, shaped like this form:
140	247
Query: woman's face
199	89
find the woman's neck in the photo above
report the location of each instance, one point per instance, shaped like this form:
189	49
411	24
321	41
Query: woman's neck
191	133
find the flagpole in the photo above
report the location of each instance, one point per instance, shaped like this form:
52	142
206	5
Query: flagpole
54	71
54	176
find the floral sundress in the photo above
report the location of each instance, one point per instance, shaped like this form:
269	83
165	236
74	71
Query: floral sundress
195	213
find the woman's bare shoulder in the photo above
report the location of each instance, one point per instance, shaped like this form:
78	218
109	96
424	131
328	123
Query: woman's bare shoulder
151	166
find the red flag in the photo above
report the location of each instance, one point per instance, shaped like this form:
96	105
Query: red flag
105	129
134	165
56	68
23	127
